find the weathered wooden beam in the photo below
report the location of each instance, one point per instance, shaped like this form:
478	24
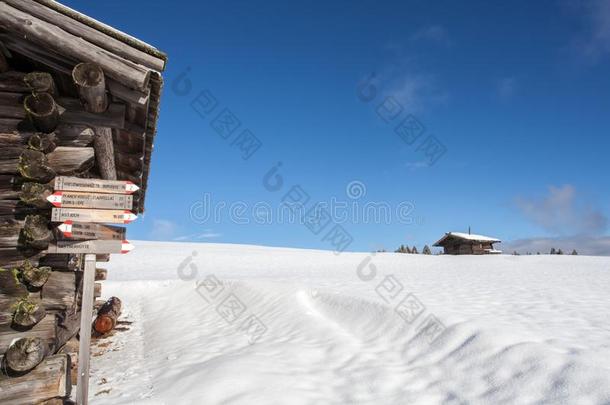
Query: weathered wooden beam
9	98
10	186
12	81
13	257
91	84
63	261
124	71
40	82
50	379
104	153
68	323
42	111
12	124
90	34
75	114
74	135
60	291
68	160
15	209
64	65
45	330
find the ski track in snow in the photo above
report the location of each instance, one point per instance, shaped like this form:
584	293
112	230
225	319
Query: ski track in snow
519	330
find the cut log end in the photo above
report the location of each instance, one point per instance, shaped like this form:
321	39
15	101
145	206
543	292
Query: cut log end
27	314
35	276
40	82
90	81
25	354
42	111
34	165
107	316
36	233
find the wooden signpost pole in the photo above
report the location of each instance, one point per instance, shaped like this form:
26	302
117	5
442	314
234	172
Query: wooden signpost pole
84	350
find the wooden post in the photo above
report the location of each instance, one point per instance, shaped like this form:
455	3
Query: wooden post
104	153
82	386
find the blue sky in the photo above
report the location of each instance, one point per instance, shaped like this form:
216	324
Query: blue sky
516	94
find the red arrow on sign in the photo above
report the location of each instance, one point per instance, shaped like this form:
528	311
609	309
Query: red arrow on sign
126	247
55	198
66	228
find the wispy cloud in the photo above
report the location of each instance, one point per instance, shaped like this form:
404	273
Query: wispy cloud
205	234
562	212
506	87
594	42
432	33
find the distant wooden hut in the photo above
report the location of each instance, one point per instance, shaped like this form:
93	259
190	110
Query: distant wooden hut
78	99
457	243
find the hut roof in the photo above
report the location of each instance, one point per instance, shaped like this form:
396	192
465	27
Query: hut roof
55	38
465	237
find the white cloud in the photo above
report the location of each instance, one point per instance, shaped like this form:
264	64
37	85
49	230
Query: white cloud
562	212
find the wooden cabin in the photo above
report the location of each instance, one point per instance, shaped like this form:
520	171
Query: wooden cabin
457	243
78	98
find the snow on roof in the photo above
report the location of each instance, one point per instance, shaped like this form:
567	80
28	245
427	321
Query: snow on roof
467	236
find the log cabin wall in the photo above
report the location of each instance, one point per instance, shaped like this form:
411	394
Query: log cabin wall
77	98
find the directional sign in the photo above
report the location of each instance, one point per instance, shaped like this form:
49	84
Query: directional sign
95	216
74	199
85	231
63	183
90	246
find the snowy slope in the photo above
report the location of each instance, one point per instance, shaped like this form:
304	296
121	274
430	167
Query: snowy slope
518	329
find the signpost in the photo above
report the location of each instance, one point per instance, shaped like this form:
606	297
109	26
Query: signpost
84	231
63	183
90	246
93	215
86	318
83	207
74	199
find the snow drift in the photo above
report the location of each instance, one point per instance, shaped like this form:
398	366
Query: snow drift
233	324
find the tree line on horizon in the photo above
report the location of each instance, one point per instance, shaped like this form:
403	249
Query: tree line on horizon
552	252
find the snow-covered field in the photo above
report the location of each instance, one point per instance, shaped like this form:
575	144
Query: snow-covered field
341	330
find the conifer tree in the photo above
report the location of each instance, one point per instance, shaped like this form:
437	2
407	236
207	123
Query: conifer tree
427	250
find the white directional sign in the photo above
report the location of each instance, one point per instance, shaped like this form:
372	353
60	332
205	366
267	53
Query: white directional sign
85	230
63	183
92	215
90	246
73	199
